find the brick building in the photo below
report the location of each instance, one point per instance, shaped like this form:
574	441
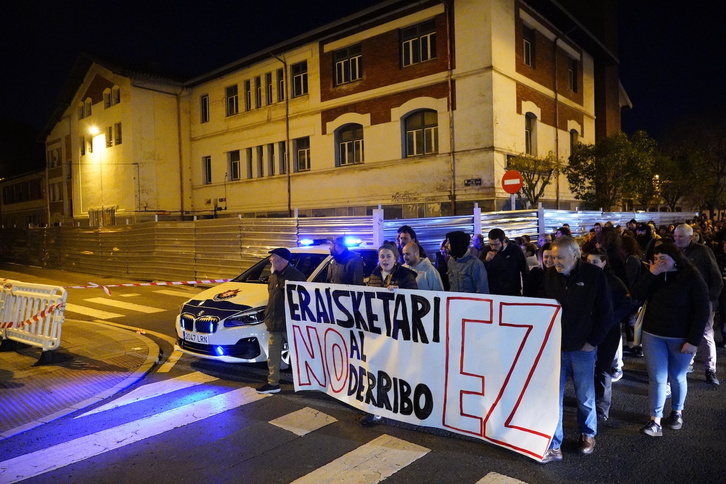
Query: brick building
414	106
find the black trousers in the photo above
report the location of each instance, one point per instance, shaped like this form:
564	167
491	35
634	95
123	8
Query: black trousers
603	369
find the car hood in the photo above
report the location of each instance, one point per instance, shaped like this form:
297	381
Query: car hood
228	298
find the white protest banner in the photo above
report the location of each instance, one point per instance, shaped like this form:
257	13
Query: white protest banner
479	365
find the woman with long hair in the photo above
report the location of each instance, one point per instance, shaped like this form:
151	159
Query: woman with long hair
675	317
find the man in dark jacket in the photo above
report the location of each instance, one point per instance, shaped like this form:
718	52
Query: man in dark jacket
506	265
346	266
705	261
282	271
587	313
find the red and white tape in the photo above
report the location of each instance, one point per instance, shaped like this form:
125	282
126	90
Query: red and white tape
106	287
33	319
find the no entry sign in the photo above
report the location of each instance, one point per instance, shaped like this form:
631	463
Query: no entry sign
512	181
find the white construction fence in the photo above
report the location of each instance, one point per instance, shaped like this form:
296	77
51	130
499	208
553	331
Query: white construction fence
32	313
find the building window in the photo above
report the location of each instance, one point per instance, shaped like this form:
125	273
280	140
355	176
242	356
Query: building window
232	101
204	108
90	145
299	79
117	133
258	92
282	157
80	111
107	98
271	159
248	163
348	67
280	85
268	88
302	154
422	133
418	43
233	157
260	162
528	43
530	134
206	170
572	74
82	144
109	137
115	95
56	192
350	144
248	95
87	110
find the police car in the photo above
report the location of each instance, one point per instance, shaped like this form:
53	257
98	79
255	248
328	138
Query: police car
225	322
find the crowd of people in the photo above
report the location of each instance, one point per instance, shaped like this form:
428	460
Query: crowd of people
669	278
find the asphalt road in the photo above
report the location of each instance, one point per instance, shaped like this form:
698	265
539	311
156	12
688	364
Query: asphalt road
217	429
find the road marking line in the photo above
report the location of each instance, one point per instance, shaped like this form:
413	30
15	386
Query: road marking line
124	305
496	478
58	456
303	421
170	362
372	462
157	389
94	313
176	292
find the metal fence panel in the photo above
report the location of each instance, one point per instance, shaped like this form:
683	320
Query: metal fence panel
223	248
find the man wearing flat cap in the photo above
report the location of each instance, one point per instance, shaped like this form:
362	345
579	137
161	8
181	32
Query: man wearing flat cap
282	271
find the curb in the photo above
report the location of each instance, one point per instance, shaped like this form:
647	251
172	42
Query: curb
151	360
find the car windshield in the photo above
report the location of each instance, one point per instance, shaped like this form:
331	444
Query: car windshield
260	272
370	261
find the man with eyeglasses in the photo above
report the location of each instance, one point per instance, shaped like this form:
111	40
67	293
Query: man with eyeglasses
506	265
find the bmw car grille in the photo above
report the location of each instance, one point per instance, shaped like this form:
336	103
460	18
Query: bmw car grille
246	349
202	324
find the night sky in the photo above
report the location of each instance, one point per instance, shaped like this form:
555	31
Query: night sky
670	57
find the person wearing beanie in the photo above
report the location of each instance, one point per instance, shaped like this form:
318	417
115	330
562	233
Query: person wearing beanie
346	266
282	271
466	272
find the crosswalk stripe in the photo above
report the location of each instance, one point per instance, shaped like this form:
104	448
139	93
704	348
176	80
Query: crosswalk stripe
372	462
157	389
176	292
124	305
170	362
303	421
496	478
94	313
61	455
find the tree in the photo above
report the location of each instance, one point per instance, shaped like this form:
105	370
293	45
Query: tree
616	168
700	145
536	175
675	179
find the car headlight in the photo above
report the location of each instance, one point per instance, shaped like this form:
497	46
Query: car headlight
246	318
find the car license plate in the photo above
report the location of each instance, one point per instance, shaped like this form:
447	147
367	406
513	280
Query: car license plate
196	337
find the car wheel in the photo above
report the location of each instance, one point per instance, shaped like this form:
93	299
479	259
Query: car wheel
285	357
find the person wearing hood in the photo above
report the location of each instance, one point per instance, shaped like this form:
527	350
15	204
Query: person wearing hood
466	272
346	266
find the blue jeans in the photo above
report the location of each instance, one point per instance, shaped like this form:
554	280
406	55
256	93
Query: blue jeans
665	362
580	365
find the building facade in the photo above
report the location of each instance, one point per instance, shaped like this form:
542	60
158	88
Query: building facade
413	106
24	201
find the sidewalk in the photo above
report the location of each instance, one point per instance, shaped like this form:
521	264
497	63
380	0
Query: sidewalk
93	362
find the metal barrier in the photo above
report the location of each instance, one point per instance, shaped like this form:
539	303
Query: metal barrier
32	313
